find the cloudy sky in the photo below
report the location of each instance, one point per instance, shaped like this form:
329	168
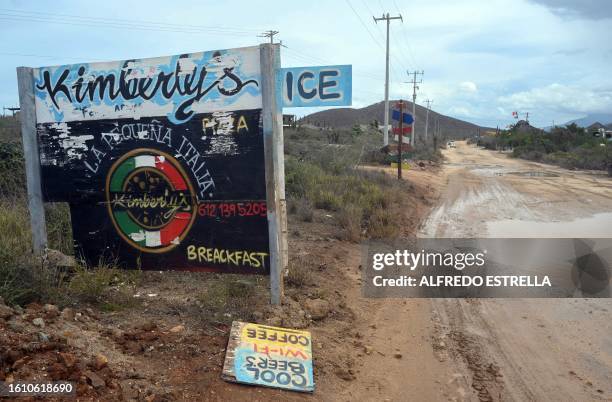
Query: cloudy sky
482	59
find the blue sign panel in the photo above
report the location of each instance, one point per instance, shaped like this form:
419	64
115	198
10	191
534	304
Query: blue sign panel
317	86
395	115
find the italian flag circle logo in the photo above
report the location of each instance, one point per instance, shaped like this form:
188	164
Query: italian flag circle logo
150	199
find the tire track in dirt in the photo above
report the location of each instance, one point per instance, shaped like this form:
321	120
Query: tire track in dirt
520	349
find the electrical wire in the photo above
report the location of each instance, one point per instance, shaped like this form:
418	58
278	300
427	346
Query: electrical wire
364	25
122	24
406	40
129	21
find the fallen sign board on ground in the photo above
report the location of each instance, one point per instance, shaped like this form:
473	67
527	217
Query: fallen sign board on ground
269	356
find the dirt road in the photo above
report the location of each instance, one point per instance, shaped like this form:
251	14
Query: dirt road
523	349
170	343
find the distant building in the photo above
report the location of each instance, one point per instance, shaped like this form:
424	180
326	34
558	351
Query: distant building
600	131
523	126
288	120
595	127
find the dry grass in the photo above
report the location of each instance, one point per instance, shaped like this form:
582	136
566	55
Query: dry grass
104	286
363	202
299	273
229	297
303	208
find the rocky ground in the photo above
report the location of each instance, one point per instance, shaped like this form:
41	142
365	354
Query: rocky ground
169	344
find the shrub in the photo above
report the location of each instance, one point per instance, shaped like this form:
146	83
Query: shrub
104	285
303	208
350	219
12	173
299	273
383	224
59	227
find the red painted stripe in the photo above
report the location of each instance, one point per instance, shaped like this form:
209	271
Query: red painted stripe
174	229
172	173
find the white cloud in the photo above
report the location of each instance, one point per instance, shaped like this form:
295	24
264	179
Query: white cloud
481	59
468	86
560	98
461	111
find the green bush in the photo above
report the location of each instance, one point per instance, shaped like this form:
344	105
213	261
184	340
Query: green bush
104	285
570	147
12	173
361	200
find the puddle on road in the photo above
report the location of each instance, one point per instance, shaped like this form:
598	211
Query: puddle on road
598	225
535	173
496	171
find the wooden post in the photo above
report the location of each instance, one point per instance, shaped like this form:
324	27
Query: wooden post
272	133
27	115
400	140
280	159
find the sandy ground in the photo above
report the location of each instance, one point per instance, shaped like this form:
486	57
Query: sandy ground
523	349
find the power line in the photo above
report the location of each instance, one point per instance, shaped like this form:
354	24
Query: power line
382	36
121	25
406	40
363	24
397	59
414	83
38	14
43	56
398	76
301	56
305	56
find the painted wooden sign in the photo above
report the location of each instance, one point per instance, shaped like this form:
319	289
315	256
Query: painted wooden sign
161	159
269	356
407	117
317	86
405	130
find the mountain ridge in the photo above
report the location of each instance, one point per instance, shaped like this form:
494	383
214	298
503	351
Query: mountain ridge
450	127
602	118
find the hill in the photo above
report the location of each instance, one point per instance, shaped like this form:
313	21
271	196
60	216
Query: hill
602	118
348	117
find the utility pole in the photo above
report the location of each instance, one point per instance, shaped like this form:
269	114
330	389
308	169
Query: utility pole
386	17
269	34
400	141
436	134
414	83
429	102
